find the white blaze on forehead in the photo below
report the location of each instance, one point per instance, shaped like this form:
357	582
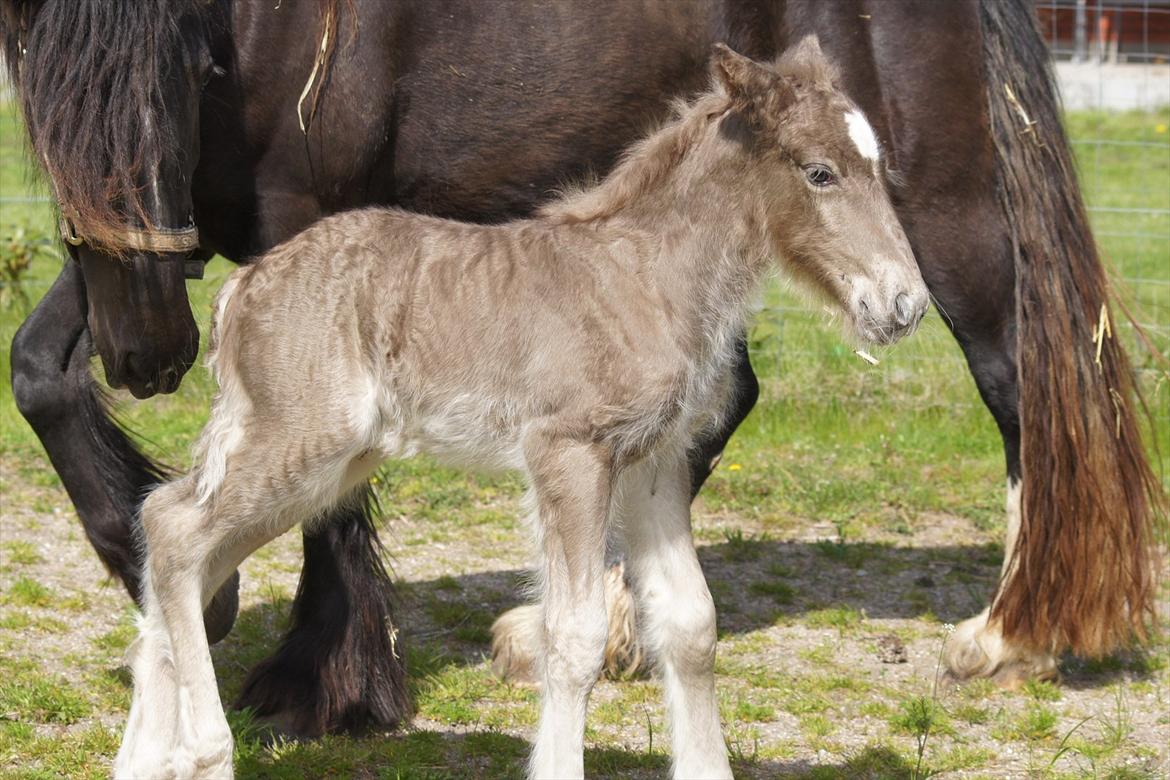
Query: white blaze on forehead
862	134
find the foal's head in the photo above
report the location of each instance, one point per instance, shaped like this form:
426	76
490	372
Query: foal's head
817	163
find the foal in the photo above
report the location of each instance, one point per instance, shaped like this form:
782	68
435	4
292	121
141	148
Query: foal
584	347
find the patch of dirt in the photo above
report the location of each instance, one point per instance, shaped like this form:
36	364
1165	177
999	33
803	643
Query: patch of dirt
822	643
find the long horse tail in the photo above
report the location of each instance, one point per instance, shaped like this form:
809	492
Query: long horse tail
1082	572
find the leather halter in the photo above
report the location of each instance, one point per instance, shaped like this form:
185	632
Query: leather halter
161	240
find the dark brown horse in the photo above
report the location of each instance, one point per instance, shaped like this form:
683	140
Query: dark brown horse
250	120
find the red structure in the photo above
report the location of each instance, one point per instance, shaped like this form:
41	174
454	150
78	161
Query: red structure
1114	30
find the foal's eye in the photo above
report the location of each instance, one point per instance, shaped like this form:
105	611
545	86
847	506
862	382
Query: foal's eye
819	175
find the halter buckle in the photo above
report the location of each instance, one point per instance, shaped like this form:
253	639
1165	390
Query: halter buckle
69	232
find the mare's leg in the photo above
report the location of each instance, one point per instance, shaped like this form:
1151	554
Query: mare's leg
969	268
340	667
105	476
677	609
514	634
572	484
977	647
707	449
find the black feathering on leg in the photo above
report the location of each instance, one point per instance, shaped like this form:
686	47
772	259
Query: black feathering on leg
128	476
340	667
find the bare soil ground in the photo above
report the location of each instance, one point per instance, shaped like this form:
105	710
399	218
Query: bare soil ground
811	627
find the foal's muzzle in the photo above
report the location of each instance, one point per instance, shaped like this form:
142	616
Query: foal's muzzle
883	317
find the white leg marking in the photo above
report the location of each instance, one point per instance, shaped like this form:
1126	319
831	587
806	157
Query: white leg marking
679	614
149	740
181	536
518	634
977	647
1012	509
572	490
517	637
574	645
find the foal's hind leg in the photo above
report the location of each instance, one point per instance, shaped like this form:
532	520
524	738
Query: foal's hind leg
191	549
677	609
176	727
149	737
181	732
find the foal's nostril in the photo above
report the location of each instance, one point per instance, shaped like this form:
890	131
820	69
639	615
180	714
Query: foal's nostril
903	310
863	304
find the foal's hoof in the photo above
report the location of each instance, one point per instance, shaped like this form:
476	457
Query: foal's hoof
1013	676
220	615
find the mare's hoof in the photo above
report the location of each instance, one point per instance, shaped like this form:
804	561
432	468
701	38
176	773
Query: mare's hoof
977	649
517	636
289	726
1012	676
220	615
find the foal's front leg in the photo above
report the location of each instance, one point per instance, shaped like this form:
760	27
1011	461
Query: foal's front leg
572	483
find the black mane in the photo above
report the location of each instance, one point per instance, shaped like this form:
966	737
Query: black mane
89	75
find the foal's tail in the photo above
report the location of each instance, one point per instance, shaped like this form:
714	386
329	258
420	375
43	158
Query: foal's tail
223	316
224	430
1082	574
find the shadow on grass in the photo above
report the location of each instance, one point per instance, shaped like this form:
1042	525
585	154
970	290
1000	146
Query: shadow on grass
421	753
756	583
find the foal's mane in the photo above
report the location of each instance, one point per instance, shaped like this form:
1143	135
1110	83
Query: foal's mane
642	167
647	162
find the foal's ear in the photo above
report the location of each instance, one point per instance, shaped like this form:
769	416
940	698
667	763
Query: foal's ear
807	62
744	79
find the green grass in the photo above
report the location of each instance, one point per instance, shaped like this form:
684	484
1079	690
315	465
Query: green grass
28	593
857	451
29	694
19	554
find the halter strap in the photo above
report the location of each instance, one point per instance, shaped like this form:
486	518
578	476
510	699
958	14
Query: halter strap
170	240
176	240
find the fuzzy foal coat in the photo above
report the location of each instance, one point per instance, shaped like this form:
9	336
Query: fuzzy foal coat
422	334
